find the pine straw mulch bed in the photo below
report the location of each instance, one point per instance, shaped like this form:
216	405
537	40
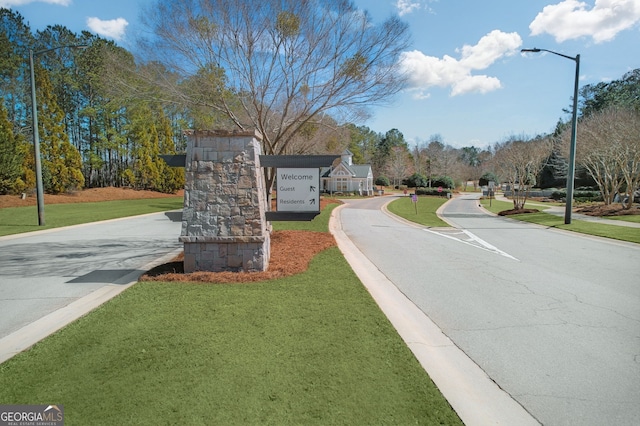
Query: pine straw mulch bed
517	211
291	252
608	210
84	196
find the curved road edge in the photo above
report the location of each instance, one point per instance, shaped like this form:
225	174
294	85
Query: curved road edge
476	398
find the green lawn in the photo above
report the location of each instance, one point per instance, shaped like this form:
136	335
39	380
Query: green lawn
584	227
635	218
622	233
403	207
15	220
309	349
423	211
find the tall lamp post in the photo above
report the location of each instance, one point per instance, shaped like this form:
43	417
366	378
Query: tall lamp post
36	136
571	173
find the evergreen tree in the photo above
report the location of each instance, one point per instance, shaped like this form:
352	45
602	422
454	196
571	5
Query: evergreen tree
171	178
61	161
143	171
10	156
15	41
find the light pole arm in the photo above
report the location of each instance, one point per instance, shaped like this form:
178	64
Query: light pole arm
535	50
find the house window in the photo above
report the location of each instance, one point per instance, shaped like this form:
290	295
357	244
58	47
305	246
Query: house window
341	184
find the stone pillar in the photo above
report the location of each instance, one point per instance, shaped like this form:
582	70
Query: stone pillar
223	222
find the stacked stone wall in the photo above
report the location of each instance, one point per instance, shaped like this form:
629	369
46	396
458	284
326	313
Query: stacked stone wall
223	222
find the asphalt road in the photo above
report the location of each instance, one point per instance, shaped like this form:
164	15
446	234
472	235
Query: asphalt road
45	271
552	317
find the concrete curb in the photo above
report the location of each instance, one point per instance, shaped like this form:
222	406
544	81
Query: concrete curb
476	398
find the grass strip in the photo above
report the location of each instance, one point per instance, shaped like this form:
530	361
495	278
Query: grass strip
621	233
308	349
634	218
615	232
423	211
319	223
15	220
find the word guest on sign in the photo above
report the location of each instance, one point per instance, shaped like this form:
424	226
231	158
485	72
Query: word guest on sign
298	189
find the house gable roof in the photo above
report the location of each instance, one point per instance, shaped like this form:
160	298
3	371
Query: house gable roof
358	171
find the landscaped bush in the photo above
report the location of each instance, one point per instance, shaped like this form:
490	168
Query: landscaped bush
486	178
417	180
443	181
432	191
579	196
382	181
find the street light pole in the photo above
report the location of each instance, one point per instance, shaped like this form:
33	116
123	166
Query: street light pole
36	143
571	173
36	136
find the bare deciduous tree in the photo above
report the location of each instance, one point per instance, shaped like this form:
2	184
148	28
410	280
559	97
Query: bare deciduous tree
277	65
518	161
399	164
609	149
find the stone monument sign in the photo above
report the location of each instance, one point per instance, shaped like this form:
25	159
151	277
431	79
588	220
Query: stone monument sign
224	227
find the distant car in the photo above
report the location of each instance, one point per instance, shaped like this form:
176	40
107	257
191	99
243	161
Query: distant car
636	198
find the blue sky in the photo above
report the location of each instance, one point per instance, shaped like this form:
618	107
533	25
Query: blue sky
469	82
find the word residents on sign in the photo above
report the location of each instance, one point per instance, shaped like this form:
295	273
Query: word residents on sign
298	189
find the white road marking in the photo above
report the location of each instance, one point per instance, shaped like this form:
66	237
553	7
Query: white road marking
473	241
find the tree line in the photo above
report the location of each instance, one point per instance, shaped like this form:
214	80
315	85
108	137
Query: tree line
91	134
607	155
295	71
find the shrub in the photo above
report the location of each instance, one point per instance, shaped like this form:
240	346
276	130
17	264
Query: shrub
382	181
579	196
432	191
417	180
486	178
443	181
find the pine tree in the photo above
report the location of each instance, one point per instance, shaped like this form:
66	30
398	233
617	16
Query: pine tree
143	172
61	161
10	158
171	178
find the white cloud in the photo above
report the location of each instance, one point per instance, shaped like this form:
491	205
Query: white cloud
113	28
9	3
428	71
570	19
407	6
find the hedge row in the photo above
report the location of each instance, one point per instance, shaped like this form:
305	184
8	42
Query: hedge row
581	196
432	191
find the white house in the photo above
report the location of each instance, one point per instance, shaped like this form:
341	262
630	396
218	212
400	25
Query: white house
347	177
